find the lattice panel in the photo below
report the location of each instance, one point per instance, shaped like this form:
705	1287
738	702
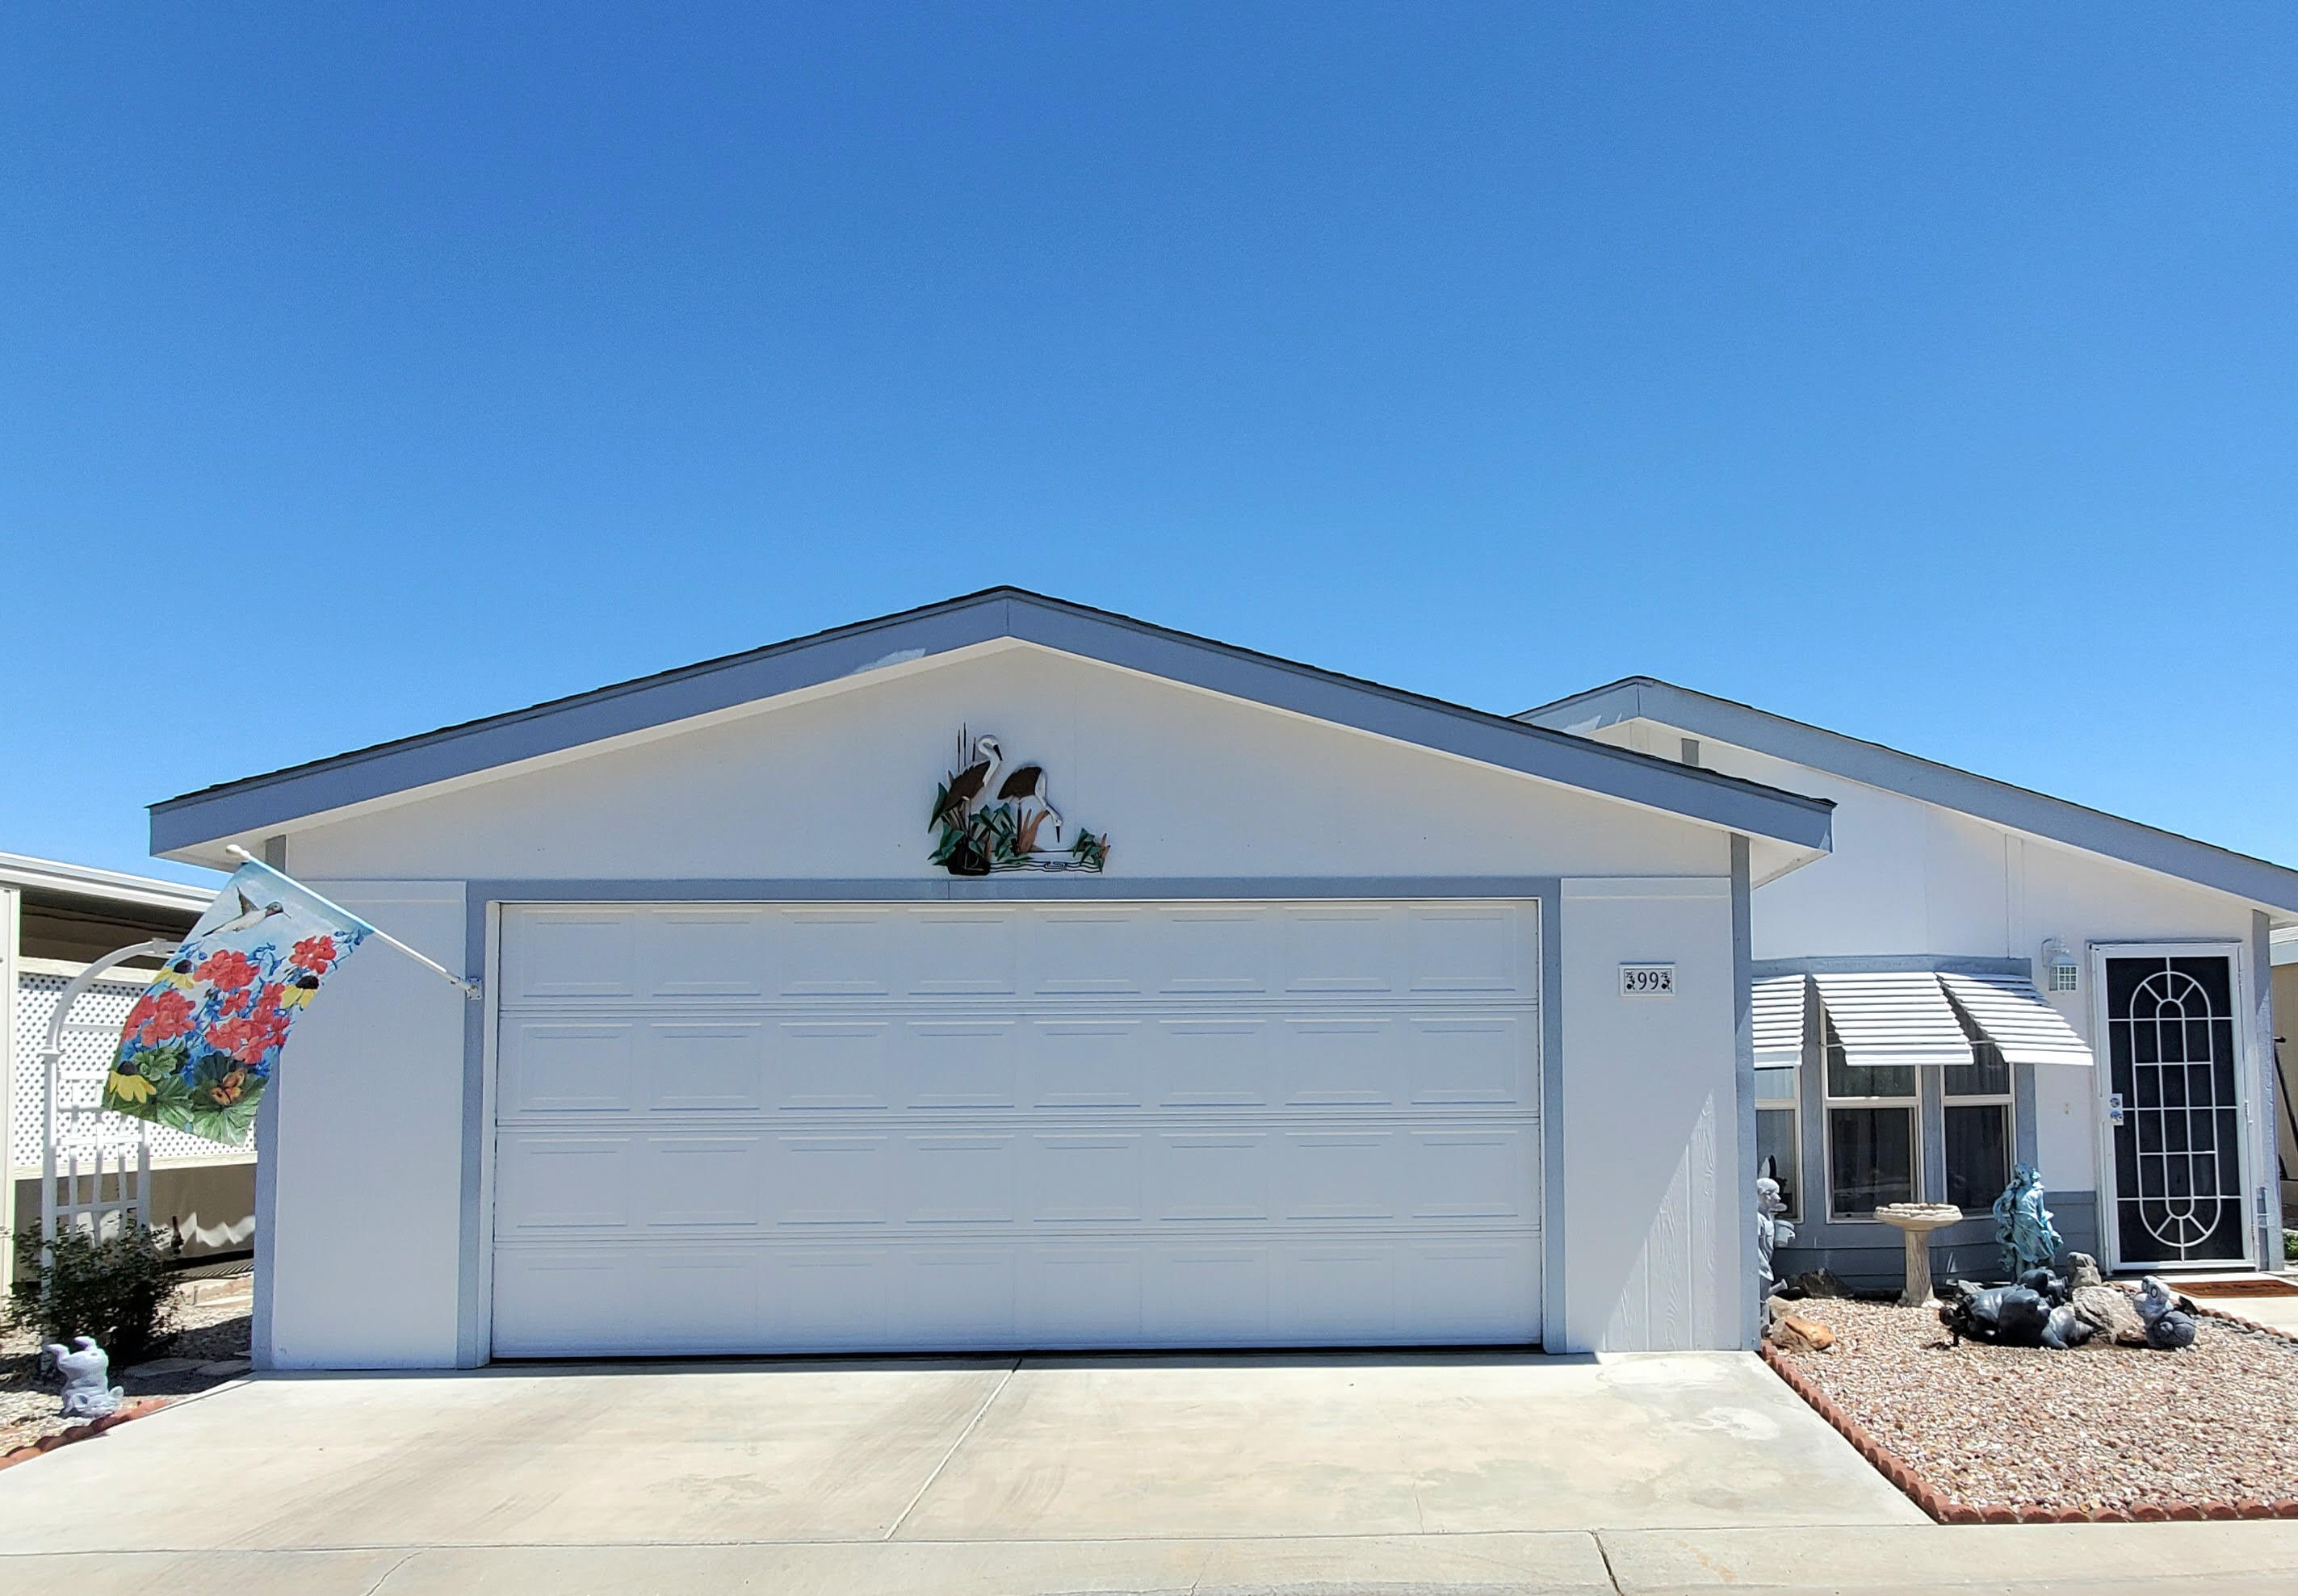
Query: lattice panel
89	1043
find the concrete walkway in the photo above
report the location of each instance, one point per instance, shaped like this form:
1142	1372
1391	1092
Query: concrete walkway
1468	1472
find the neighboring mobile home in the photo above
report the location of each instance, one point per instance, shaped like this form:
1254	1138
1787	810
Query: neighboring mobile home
54	919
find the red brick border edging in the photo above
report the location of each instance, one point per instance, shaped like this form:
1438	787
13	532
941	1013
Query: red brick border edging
136	1408
1935	1502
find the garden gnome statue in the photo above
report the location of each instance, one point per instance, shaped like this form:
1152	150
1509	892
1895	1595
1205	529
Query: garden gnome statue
1771	1230
2022	1225
85	1368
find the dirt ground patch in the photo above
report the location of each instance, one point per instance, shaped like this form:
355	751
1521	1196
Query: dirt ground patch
209	1332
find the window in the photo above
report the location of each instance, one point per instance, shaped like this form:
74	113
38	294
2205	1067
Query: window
1976	1128
1870	1133
1778	1131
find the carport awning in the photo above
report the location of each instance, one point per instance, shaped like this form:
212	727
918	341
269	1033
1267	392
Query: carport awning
2011	1013
1899	1017
1779	1022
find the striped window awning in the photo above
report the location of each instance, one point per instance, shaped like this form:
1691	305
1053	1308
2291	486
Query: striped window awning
1895	1017
1779	1022
2011	1013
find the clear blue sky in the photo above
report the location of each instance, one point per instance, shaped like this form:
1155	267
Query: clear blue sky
1928	372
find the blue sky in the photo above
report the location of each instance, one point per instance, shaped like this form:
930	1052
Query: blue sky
1927	372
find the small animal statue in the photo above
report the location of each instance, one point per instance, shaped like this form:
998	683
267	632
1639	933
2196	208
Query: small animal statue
2046	1286
2066	1329
85	1368
2000	1315
2169	1325
1771	1230
2022	1225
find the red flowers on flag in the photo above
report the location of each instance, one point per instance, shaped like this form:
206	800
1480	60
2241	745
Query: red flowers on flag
158	1016
228	970
315	953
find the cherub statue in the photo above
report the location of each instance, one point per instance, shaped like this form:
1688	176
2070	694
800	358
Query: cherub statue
2022	1225
1771	1230
86	1369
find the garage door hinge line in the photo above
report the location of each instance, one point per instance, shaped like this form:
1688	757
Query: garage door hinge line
961	1436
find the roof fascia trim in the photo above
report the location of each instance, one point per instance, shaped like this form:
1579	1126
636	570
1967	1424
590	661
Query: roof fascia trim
1873	764
266	802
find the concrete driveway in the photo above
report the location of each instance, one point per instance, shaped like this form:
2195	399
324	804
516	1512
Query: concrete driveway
1466	1471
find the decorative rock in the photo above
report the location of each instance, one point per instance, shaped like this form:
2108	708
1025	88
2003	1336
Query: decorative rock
1791	1333
2108	1310
87	1368
224	1368
2082	1269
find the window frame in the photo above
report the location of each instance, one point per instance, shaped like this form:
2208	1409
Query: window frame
1792	1106
2007	1100
1831	1049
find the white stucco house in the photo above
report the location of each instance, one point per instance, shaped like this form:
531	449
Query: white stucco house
1980	974
1007	974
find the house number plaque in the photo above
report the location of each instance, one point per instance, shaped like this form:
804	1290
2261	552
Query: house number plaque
1646	981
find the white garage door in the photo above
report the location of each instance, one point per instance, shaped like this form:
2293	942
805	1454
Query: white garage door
783	1127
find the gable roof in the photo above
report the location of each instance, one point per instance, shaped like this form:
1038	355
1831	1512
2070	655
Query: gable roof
2093	830
109	889
264	803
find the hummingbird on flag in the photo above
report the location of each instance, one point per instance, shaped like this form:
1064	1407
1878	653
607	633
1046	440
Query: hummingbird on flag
248	915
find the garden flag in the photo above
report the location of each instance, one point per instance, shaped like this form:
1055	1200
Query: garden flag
200	1044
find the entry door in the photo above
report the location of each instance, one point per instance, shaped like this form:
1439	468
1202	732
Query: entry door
2174	1059
946	1126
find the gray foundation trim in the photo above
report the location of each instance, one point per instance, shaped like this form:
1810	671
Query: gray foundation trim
1552	1254
1722	720
269	801
1743	1076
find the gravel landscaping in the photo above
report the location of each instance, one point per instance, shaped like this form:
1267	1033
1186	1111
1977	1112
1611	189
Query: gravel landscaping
2101	1429
207	1333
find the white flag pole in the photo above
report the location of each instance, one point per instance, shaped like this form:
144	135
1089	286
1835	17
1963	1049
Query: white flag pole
470	988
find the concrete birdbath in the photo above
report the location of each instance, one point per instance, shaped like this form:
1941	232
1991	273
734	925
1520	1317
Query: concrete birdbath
1916	1221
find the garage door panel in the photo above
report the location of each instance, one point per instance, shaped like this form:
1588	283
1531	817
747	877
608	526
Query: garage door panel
972	952
1098	1062
1467	949
830	1180
959	1178
836	1126
1083	1296
961	1062
550	1067
835	952
1341	1174
1341	947
1470	1058
1085	952
1335	1059
1084	1177
704	952
689	1067
547	1184
830	1299
571	953
831	1064
1215	1061
1212	1175
699	1182
1225	950
1483	1174
1208	1295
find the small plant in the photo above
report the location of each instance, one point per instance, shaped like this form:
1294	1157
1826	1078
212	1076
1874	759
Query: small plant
120	1290
2290	1246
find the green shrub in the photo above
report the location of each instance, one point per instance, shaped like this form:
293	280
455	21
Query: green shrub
120	1290
2290	1246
